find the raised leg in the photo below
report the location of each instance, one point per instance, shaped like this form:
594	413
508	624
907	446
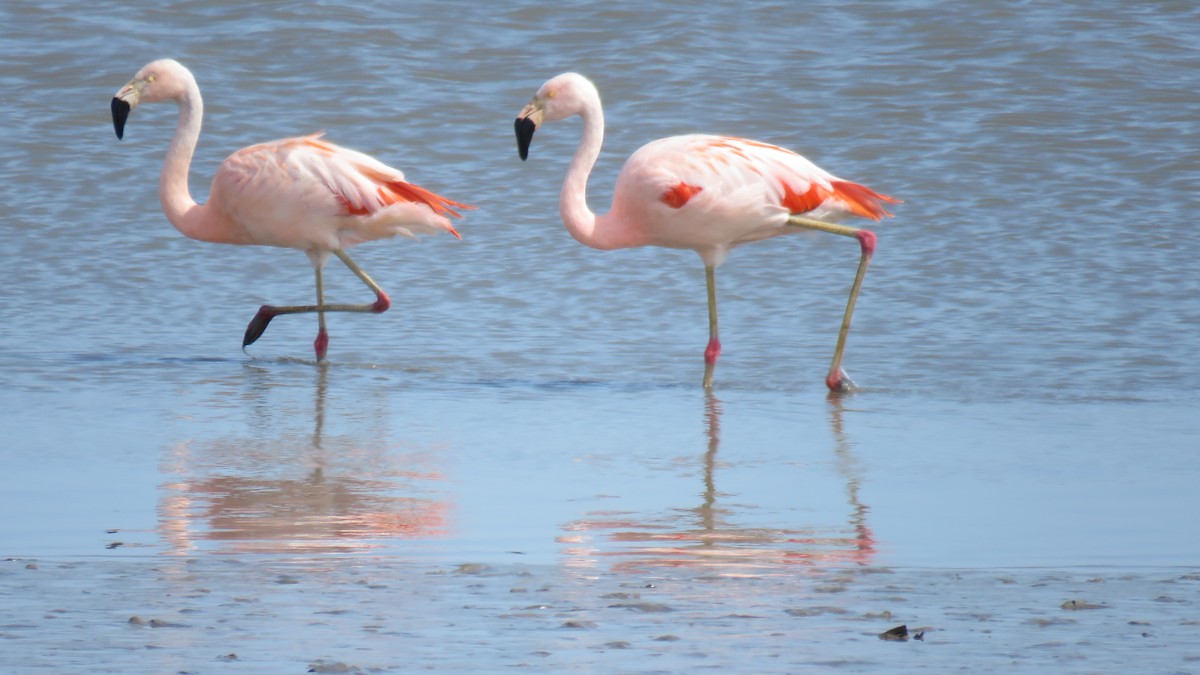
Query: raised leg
713	350
258	325
837	380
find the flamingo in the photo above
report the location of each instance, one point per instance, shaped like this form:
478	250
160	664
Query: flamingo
304	193
702	192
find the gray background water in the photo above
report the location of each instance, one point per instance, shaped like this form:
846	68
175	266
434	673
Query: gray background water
1026	340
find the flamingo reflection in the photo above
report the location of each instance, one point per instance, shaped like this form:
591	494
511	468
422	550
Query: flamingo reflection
707	536
299	492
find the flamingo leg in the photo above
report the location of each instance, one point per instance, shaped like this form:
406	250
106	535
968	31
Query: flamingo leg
321	344
713	350
837	380
258	325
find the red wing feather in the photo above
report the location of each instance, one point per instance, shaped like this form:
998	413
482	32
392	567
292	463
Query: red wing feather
679	195
861	199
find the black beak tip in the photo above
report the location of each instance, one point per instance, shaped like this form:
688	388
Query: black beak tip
524	128
120	112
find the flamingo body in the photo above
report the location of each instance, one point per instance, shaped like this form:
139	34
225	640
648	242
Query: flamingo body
309	194
713	193
303	193
701	192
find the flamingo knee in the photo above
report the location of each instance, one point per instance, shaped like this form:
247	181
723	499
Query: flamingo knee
867	240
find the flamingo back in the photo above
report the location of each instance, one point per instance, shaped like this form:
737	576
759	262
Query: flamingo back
307	193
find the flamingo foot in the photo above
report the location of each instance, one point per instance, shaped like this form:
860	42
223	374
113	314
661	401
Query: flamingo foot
258	325
840	383
321	344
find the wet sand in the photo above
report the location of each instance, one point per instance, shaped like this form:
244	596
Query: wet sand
370	615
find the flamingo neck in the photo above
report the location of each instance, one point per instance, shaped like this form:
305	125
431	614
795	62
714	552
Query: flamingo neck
196	221
580	221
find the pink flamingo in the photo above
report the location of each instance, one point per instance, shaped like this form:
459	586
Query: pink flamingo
303	193
700	192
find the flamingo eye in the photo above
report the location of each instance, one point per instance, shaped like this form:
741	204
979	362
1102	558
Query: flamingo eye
149	78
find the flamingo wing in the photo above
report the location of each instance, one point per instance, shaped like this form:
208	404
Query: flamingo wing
308	193
799	185
750	175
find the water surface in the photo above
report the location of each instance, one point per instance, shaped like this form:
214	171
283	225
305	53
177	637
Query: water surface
1025	345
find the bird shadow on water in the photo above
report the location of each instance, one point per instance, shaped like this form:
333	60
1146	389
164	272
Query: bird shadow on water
709	537
288	490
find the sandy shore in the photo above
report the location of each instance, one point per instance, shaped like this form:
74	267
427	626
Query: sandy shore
273	614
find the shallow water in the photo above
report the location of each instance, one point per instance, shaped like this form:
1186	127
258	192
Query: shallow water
1025	344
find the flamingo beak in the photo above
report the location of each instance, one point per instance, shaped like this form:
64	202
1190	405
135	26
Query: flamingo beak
527	122
120	112
122	104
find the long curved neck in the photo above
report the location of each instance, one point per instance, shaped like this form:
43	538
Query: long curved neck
572	205
196	221
576	216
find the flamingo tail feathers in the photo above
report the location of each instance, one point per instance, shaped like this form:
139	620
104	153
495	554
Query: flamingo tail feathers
862	200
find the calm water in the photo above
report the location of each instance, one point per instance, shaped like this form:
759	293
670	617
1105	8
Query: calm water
1026	342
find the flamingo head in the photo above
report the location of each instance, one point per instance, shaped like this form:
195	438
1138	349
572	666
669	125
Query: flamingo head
559	98
157	81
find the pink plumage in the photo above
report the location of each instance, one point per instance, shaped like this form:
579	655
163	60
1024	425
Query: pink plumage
701	192
303	193
307	193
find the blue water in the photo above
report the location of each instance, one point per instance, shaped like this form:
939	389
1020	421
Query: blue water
1025	342
1032	280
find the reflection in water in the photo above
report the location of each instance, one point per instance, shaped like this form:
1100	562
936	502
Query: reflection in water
708	535
297	492
849	470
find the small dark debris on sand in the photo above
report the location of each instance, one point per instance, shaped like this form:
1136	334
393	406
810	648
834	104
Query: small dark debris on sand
1082	604
900	634
153	623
